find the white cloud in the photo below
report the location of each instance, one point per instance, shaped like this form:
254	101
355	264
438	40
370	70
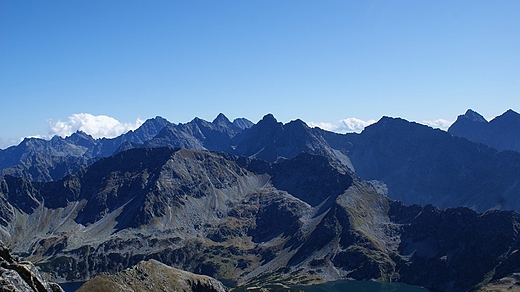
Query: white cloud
96	126
350	125
439	124
4	143
347	125
324	126
354	125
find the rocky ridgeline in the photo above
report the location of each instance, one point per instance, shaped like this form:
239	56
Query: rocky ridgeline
152	276
23	276
412	163
502	132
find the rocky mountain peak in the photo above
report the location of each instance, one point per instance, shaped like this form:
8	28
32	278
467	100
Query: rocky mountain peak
152	127
502	132
221	120
510	116
242	123
158	120
81	138
268	119
474	116
299	123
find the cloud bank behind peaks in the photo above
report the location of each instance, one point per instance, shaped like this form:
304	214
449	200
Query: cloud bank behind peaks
348	125
438	124
97	126
356	125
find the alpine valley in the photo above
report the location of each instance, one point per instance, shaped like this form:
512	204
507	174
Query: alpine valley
266	205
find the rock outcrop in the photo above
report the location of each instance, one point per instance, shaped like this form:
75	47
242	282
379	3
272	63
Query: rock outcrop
16	276
510	283
152	276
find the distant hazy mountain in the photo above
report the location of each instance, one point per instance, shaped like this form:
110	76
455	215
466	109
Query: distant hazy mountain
200	134
247	221
46	160
409	162
502	133
271	140
421	165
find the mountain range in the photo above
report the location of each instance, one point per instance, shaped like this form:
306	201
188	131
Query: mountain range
269	202
248	221
408	161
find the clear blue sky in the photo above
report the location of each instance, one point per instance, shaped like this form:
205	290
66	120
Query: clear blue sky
321	61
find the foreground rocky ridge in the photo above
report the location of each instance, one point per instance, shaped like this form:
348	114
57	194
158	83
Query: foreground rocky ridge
248	221
152	276
16	276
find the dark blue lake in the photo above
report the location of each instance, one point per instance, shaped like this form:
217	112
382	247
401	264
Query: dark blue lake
71	287
368	286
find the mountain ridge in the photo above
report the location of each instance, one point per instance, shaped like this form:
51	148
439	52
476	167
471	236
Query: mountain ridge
502	132
432	166
303	220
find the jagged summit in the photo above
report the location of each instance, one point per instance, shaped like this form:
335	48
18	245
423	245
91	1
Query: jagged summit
222	120
401	146
474	116
272	140
81	138
502	132
268	118
242	123
509	116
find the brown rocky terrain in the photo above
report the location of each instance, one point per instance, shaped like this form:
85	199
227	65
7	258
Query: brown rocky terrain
510	283
152	276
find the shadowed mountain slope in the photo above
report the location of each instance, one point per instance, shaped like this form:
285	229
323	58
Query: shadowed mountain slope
502	132
271	140
248	221
408	161
421	165
46	160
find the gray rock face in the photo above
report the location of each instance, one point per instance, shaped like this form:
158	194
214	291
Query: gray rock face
22	276
153	276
